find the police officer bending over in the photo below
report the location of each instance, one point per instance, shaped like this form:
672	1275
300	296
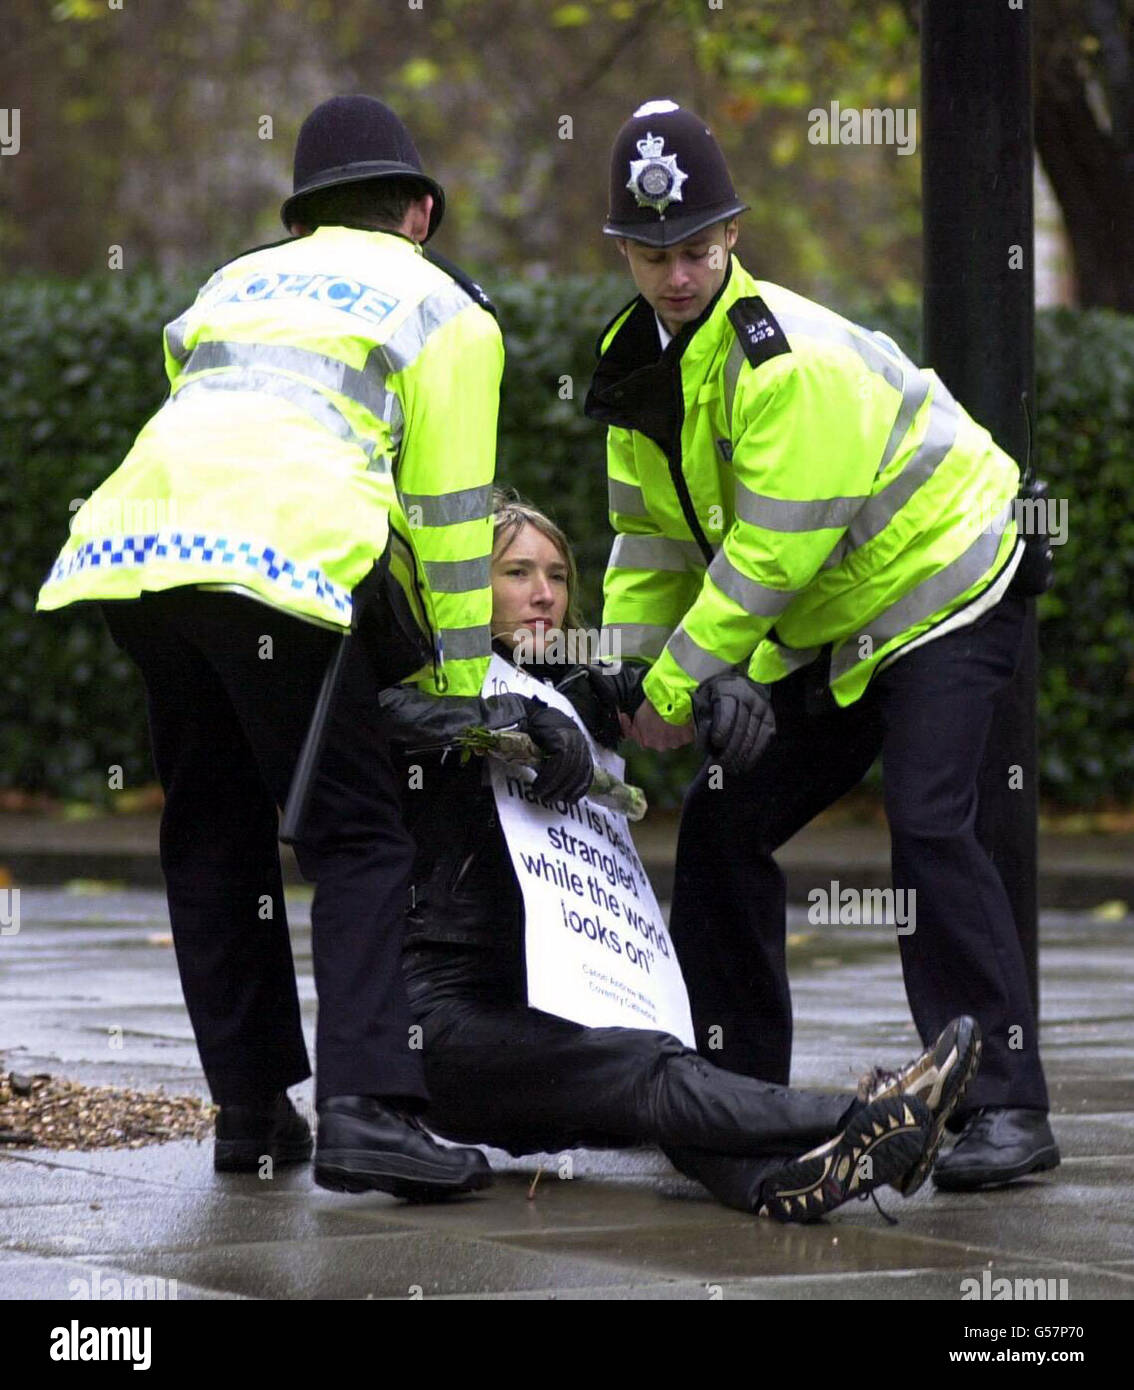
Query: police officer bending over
815	560
324	462
505	1074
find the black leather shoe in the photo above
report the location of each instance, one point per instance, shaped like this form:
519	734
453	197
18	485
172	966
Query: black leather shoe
365	1144
997	1146
247	1134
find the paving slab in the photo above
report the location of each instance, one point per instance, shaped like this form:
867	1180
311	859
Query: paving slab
899	1285
1065	1227
756	1247
184	1166
670	1291
405	1265
928	1285
30	1277
1088	1136
33	1184
601	1224
189	1221
601	1203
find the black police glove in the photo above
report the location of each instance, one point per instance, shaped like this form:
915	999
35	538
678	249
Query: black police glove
507	711
734	720
567	770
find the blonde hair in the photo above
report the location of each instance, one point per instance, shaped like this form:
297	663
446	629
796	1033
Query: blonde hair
510	513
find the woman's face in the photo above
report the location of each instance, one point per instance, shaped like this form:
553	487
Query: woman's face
529	589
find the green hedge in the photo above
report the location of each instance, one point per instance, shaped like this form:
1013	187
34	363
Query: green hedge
80	371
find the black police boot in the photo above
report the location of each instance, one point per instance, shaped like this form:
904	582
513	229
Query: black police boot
247	1134
997	1146
365	1144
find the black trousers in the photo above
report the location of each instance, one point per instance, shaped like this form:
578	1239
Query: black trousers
929	715
500	1073
231	684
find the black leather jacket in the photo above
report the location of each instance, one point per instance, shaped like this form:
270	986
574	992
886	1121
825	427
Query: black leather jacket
463	890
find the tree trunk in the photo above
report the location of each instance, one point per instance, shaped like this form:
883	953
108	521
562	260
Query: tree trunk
1084	101
1084	134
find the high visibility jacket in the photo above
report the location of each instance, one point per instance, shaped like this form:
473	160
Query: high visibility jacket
785	484
327	395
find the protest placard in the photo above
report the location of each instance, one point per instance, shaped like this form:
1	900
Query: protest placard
597	949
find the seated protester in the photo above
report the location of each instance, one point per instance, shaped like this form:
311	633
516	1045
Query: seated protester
503	1074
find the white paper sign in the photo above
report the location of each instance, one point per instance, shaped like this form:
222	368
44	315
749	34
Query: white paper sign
598	952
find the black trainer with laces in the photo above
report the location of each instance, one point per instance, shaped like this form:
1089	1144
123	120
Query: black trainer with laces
880	1144
939	1077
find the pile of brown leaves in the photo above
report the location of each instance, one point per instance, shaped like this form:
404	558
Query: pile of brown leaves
50	1113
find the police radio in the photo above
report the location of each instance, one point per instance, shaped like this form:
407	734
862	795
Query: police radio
1035	573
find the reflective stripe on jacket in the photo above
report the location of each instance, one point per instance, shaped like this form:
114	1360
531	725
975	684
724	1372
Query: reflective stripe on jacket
325	392
783	480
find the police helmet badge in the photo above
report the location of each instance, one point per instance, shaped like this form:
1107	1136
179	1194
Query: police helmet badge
655	179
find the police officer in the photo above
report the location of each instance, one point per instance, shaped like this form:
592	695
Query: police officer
323	463
815	557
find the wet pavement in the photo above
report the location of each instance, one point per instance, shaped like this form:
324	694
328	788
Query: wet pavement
89	990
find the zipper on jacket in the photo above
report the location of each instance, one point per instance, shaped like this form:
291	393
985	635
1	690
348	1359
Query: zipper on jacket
673	453
681	487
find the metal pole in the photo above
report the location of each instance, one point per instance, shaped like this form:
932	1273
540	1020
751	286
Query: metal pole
979	305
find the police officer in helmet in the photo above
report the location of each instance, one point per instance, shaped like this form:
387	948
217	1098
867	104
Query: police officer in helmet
322	465
815	563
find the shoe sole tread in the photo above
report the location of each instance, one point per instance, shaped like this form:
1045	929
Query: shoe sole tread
364	1171
816	1194
914	1180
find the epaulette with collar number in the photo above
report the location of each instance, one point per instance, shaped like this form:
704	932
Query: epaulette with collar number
470	286
758	330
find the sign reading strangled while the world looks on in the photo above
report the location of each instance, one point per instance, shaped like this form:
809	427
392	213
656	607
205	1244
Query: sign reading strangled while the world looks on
598	952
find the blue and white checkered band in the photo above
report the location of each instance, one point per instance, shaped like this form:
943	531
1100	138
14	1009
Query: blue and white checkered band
232	559
655	180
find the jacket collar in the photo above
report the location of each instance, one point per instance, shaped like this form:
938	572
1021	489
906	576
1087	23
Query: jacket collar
391	240
555	673
638	386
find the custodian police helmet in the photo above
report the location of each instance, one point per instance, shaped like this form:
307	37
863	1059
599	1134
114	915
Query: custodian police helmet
351	140
668	178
